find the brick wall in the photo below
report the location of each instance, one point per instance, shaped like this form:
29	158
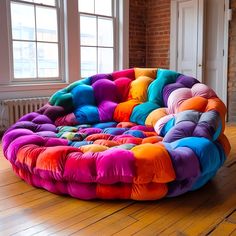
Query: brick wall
149	33
232	66
158	33
137	33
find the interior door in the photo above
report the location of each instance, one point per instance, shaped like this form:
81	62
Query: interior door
214	46
187	37
199	39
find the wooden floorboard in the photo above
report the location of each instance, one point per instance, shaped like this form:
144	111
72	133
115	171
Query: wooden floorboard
25	210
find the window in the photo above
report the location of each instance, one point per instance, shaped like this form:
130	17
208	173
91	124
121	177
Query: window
96	36
35	39
43	47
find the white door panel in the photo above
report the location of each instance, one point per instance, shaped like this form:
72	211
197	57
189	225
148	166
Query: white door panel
187	37
214	45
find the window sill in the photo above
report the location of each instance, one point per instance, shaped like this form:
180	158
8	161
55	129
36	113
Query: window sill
29	90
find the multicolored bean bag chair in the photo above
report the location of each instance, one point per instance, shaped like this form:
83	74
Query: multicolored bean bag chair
140	134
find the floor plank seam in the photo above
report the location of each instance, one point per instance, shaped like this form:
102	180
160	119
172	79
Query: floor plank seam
102	203
36	199
42	223
9	184
104	217
233	232
231	164
224	219
17	194
193	210
157	206
227	219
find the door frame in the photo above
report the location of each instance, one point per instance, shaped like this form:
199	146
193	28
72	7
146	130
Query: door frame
174	36
173	33
226	52
174	43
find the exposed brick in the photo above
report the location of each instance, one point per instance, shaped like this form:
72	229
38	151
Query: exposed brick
137	33
158	33
232	66
149	33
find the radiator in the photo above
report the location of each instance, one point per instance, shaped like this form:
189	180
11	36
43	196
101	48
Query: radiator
12	109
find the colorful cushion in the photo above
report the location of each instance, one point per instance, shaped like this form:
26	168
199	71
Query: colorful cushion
139	134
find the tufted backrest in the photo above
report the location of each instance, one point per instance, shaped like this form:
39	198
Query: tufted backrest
139	95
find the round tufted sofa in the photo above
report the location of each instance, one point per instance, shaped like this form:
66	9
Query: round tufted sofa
139	134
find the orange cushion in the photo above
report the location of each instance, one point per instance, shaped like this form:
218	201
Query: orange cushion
155	115
150	72
93	148
153	164
152	139
194	103
139	87
151	191
124	110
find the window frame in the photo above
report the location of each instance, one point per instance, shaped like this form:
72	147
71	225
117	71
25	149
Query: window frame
59	6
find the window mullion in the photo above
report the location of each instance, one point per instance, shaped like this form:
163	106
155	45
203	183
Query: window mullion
90	46
33	3
32	41
36	41
59	38
115	46
91	14
96	38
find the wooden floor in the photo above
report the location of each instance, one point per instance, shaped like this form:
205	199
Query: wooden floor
25	210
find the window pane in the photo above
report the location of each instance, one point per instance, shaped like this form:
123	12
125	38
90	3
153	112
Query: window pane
105	60
23	23
46	21
105	32
24	59
86	6
88	32
47	59
88	61
46	2
103	7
